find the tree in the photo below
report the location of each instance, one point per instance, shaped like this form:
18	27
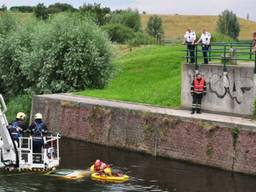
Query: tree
23	9
100	14
228	24
3	8
129	18
41	11
155	27
60	7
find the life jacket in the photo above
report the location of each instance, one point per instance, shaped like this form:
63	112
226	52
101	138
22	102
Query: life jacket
38	130
15	130
199	86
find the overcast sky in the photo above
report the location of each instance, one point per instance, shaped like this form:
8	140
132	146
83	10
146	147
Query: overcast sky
188	7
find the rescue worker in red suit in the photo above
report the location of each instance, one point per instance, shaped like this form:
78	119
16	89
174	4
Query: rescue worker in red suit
102	168
198	90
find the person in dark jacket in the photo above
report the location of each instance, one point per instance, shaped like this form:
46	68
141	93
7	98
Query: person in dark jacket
17	127
198	90
38	129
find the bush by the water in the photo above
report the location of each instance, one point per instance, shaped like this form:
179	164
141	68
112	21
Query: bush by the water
66	53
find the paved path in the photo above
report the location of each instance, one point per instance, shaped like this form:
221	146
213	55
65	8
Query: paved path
217	118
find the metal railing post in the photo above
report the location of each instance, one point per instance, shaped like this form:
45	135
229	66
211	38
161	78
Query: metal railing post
225	59
187	54
210	52
250	52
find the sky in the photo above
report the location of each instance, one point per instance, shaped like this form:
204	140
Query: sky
187	7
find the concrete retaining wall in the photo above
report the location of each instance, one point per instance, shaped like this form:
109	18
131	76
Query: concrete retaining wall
225	142
233	92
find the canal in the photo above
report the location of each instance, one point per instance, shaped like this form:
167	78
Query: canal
146	173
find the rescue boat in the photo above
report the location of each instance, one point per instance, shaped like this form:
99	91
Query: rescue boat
112	179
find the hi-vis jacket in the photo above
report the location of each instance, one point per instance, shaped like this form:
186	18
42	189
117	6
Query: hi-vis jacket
198	86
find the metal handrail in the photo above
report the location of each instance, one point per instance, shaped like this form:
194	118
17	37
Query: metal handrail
220	50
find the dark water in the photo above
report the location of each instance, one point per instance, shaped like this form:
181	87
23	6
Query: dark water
146	174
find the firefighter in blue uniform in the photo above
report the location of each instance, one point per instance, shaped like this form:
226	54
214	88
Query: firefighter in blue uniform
17	127
38	130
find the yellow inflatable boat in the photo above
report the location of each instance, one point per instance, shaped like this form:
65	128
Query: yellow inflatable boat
112	179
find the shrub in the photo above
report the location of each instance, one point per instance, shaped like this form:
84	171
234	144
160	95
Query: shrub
129	18
218	37
19	104
65	54
228	24
7	23
140	39
119	33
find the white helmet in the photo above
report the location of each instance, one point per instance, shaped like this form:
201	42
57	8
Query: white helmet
20	116
38	116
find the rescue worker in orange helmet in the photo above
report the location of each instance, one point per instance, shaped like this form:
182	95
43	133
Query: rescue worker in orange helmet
198	90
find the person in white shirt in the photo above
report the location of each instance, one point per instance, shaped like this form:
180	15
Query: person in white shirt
189	39
206	43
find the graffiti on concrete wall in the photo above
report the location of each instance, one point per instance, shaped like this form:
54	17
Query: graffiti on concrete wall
227	85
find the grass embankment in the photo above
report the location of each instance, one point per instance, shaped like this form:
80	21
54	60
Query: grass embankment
150	75
176	25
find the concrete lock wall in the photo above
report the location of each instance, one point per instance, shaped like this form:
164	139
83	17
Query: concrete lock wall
225	142
233	92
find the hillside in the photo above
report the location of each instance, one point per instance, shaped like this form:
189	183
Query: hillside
150	75
176	25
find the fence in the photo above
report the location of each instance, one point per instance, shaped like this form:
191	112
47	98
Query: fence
224	53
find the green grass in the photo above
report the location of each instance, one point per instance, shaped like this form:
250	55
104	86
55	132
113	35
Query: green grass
150	75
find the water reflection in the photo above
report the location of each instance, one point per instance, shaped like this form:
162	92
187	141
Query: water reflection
147	174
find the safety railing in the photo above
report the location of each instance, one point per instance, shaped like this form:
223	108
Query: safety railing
46	159
222	53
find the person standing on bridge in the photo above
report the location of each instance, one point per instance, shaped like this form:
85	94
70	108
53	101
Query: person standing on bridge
198	90
206	40
189	39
